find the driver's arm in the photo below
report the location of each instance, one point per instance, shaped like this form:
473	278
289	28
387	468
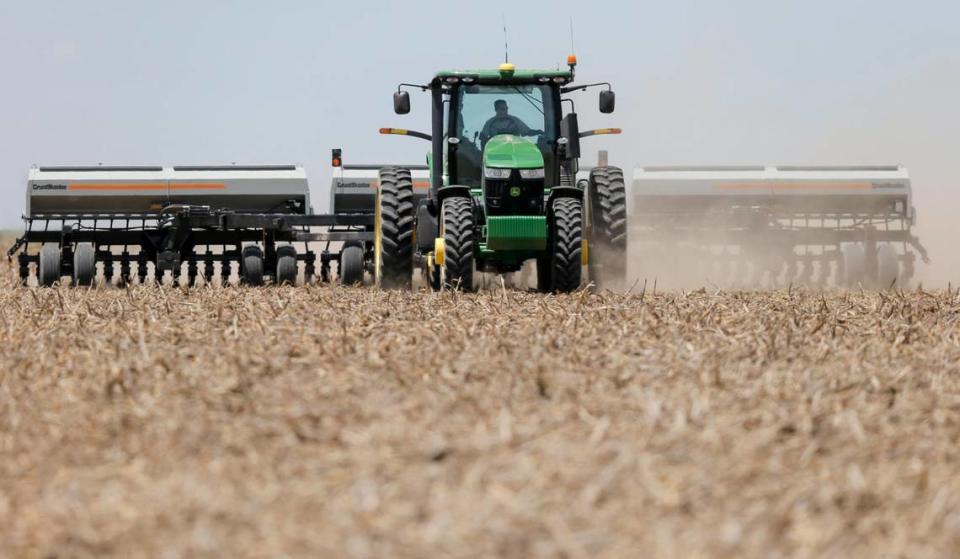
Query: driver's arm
523	129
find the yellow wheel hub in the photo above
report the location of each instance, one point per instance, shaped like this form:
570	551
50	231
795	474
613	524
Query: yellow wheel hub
439	251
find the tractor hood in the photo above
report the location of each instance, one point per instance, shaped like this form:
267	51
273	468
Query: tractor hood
512	152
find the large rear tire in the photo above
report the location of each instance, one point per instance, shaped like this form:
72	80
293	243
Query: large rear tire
457	228
395	228
84	264
565	245
607	231
48	269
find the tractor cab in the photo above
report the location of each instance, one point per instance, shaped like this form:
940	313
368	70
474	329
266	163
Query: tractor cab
498	128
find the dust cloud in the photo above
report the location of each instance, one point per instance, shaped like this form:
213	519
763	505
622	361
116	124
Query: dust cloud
708	261
909	122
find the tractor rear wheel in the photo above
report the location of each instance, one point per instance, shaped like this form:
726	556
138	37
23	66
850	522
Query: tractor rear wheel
560	269
48	269
251	265
351	265
395	227
84	264
607	232
456	228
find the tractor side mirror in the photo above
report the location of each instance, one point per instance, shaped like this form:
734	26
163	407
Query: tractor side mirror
608	100
570	130
401	102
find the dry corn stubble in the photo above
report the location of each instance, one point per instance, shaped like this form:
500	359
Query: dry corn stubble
355	423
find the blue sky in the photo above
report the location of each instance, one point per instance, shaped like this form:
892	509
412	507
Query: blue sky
266	82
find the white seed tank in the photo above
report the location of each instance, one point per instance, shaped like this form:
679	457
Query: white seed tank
141	190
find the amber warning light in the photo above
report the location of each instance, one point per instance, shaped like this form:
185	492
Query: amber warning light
335	158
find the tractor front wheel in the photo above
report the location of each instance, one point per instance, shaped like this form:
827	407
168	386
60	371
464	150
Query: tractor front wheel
457	233
559	270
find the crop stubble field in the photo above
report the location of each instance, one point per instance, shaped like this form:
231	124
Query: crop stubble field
348	422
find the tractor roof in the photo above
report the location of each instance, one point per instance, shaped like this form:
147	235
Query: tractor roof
494	75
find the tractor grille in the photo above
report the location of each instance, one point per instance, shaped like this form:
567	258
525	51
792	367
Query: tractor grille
514	196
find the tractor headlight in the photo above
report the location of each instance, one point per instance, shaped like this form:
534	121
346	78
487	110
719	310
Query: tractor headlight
531	173
496	173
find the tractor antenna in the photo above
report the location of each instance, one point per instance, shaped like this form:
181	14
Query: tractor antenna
506	48
572	50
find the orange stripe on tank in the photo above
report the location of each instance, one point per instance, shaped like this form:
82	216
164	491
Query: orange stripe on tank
147	186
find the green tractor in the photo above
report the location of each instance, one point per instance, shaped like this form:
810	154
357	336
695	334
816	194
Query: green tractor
503	187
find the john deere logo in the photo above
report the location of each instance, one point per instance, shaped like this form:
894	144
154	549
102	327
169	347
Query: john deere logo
515	191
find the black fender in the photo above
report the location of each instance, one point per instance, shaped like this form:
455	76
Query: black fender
452	190
564	192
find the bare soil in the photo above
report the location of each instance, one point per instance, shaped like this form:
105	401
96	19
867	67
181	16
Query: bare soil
320	421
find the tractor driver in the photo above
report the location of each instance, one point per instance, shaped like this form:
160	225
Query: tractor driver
504	123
